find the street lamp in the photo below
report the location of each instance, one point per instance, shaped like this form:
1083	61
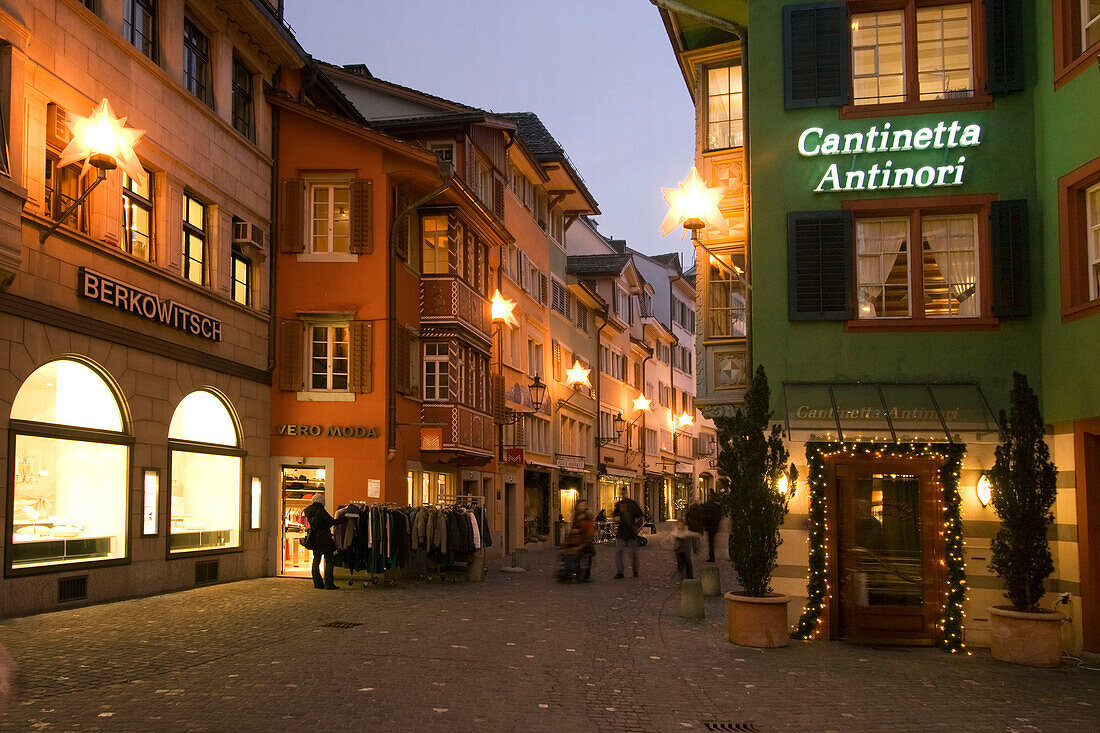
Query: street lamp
692	205
618	424
537	388
102	141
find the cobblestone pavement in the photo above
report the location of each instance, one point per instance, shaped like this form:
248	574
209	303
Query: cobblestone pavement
517	652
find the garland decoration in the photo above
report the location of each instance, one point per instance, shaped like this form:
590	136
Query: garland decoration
817	587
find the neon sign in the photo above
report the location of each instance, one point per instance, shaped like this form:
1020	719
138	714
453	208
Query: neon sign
815	142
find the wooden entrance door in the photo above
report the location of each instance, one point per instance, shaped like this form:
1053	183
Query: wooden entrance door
888	567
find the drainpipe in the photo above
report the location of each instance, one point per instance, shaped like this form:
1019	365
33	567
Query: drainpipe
642	436
273	269
446	172
603	314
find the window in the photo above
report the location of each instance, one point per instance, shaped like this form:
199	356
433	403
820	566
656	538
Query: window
196	63
194	239
913	53
664	395
538	435
205	510
244	114
725	301
1092	235
725	128
888	274
1090	22
436	259
68	493
561	300
137	204
329	362
63	187
534	358
242	279
436	372
139	26
607	428
331	206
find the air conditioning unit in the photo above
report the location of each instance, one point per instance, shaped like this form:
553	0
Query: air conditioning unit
58	133
245	232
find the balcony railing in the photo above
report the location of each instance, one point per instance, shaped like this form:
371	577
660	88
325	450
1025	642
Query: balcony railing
448	299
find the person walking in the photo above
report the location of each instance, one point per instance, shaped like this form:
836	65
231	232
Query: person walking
709	517
630	518
320	540
585	526
684	543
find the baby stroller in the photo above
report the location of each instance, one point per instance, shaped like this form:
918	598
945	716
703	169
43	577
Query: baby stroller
575	559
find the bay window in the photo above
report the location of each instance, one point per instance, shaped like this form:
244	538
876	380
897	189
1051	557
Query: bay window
437	363
436	246
725	298
725	100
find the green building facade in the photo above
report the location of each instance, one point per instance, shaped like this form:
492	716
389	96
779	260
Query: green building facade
916	216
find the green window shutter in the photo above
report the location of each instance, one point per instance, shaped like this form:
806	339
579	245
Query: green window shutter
819	266
1004	39
1011	268
815	55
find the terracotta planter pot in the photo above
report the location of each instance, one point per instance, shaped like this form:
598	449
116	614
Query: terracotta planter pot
1031	639
759	622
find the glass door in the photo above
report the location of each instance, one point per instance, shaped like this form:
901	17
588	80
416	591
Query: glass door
890	582
299	483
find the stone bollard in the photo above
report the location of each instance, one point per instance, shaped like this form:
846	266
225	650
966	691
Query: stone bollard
691	599
520	559
712	581
475	570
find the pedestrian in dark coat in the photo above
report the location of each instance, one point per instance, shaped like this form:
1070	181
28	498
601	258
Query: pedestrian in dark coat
320	538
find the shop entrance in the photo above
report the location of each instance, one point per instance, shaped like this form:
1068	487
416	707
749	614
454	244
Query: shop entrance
890	582
536	506
298	485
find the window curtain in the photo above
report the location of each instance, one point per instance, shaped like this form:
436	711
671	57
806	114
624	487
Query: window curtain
879	245
951	242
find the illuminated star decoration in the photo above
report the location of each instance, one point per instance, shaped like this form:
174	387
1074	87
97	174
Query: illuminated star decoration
641	402
577	375
693	200
685	420
101	133
502	309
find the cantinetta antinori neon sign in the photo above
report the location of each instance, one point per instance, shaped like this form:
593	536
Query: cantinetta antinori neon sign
815	142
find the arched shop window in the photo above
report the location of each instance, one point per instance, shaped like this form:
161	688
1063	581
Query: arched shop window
205	466
69	473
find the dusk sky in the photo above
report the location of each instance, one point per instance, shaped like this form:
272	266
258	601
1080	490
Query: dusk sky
601	74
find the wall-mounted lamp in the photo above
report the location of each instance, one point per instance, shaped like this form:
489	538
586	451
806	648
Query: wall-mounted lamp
502	310
783	485
642	403
150	491
984	489
257	491
102	141
692	205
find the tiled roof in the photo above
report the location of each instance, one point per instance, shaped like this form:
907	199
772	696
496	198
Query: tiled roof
609	264
535	135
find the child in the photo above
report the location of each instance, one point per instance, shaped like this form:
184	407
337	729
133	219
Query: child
684	542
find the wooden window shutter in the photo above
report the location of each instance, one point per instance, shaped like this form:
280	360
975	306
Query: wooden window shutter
361	190
361	368
498	399
544	289
1011	268
519	437
291	235
415	365
819	266
402	377
400	201
815	55
498	197
1004	38
291	339
556	360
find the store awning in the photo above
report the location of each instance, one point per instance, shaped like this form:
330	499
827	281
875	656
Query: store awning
861	412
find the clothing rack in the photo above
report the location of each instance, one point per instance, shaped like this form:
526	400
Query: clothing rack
456	500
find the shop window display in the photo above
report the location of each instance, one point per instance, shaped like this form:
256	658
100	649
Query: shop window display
68	491
206	475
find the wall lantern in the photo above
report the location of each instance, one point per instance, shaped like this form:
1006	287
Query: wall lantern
693	206
502	310
618	425
538	392
783	485
984	489
102	141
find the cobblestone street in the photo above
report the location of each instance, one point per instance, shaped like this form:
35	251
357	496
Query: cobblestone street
518	652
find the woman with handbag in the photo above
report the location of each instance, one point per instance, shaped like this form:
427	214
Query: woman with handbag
320	540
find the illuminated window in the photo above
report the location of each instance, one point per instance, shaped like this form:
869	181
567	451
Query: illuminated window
196	63
436	259
725	126
725	301
194	239
938	37
329	363
137	205
331	207
436	372
68	492
1090	22
1092	198
139	26
244	113
241	287
947	278
205	509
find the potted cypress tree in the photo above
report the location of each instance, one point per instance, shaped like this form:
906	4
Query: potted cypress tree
1024	489
751	461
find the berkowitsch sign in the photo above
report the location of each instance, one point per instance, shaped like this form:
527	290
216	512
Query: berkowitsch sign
103	289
